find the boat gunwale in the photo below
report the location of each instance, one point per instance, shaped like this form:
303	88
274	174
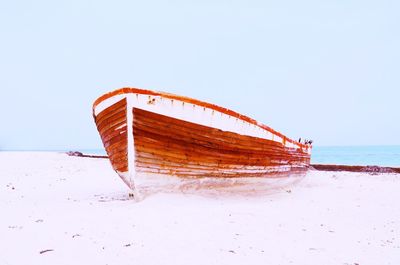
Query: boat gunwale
132	90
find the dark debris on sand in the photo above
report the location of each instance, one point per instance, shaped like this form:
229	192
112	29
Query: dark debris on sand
367	169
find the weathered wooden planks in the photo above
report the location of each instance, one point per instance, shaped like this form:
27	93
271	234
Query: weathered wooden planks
167	145
111	124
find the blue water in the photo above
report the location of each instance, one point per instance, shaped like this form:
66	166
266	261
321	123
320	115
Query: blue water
356	155
339	155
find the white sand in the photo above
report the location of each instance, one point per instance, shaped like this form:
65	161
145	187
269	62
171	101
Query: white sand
77	208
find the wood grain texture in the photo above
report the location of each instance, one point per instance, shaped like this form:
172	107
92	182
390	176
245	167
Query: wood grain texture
111	124
139	91
166	145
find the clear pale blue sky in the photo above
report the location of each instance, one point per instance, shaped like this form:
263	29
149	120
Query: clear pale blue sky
324	70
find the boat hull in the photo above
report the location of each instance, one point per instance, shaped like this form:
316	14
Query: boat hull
146	133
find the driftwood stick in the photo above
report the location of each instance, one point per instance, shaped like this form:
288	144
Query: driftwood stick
47	250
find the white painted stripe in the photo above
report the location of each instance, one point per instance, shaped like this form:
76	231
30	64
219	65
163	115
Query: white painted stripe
107	103
131	145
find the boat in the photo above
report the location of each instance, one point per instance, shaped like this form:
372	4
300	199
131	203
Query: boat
149	132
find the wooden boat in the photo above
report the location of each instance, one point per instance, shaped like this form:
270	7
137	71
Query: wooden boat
145	131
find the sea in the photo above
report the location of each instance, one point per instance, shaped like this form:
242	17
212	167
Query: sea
383	155
387	155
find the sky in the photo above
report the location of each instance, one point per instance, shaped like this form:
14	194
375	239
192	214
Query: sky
323	70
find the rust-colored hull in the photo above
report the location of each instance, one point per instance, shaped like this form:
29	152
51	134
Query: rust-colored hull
171	146
141	137
112	127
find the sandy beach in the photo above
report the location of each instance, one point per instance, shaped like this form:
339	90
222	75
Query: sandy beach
58	209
